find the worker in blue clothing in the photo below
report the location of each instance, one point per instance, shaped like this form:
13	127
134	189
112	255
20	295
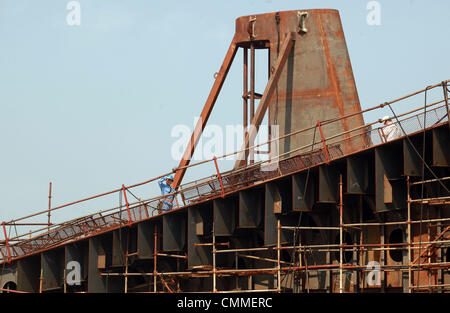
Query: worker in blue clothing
165	183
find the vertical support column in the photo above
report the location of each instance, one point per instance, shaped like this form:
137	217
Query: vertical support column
236	260
145	240
360	276
252	95
251	208
409	234
429	272
245	97
441	147
100	260
269	72
300	258
155	253
49	204
174	232
444	86
127	204
325	148
28	274
224	216
214	256
219	177
79	252
6	242
390	184
279	254
119	245
41	279
52	270
126	263
440	274
341	223
329	275
383	253
65	279
264	102
252	81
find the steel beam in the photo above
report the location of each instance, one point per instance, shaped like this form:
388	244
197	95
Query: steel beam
328	184
119	247
278	204
145	239
251	206
225	212
204	116
52	269
100	259
200	232
357	175
412	165
28	274
390	185
303	189
174	232
77	252
264	103
441	147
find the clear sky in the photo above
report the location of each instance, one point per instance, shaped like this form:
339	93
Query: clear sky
91	107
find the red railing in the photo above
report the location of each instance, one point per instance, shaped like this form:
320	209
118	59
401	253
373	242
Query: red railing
330	148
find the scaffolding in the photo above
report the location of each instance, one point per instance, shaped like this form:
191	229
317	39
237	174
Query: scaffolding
428	262
423	265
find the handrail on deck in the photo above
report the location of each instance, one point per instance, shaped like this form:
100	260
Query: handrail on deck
359	138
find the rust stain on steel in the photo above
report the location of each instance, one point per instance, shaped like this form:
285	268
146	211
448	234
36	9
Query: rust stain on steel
387	190
317	78
331	70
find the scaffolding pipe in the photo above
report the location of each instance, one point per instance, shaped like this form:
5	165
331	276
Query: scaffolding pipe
6	242
408	199
49	204
91	198
325	122
278	255
341	234
155	253
429	181
263	271
252	95
126	265
214	256
245	98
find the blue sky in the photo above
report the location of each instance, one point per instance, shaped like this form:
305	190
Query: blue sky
91	107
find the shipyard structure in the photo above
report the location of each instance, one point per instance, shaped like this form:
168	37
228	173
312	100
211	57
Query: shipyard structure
339	206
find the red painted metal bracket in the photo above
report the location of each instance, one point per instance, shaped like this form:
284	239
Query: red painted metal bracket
6	242
444	86
220	177
210	101
327	154
382	135
128	205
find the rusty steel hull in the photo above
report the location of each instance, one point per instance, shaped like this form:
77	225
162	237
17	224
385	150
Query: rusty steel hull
314	223
317	81
178	249
313	82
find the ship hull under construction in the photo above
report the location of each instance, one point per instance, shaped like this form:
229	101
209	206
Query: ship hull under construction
273	236
340	208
